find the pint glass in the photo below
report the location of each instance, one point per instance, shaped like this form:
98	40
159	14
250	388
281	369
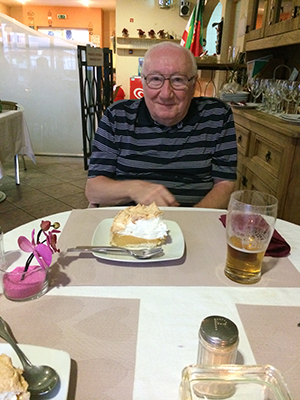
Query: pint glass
250	224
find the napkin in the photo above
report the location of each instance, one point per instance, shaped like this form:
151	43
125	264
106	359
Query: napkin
278	247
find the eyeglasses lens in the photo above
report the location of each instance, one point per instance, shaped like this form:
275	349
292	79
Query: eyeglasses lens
178	82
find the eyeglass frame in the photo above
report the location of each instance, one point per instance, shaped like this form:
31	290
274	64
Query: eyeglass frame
169	79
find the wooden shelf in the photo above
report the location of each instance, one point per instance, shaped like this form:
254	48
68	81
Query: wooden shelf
284	39
138	46
220	66
125	39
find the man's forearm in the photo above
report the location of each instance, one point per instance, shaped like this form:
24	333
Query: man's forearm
106	192
219	195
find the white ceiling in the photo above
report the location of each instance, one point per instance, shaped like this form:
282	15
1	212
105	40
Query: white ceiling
104	4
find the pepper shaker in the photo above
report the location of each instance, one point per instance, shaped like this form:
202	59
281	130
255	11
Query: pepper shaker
218	341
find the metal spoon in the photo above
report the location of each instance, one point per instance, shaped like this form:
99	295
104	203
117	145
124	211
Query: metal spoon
141	254
41	379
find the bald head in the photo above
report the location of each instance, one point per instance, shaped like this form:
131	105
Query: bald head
160	49
169	76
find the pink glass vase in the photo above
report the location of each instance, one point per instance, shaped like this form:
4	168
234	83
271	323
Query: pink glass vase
21	286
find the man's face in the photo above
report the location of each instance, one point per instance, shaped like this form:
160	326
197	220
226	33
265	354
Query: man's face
167	105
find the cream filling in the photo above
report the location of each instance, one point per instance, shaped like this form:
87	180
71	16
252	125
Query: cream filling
8	396
152	228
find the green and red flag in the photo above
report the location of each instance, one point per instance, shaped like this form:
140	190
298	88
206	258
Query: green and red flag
193	35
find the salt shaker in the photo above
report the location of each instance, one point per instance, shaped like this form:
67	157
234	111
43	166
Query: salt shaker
218	341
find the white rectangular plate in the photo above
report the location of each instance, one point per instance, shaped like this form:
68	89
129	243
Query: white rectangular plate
57	359
173	248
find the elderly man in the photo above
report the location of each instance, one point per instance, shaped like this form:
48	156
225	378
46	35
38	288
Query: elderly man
168	147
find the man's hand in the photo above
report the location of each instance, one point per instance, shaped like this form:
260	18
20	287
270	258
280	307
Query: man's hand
146	193
108	192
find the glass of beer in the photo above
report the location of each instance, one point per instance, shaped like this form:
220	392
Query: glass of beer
250	225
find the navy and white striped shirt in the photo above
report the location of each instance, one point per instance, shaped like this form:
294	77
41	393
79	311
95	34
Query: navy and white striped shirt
185	158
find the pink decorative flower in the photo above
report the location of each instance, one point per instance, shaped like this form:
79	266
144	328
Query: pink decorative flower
42	251
45	225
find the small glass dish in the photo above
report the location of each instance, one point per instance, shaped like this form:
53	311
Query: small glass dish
237	382
18	285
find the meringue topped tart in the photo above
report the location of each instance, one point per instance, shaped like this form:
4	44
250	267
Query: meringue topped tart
12	383
139	226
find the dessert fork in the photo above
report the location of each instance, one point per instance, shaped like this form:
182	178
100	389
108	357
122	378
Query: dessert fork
141	254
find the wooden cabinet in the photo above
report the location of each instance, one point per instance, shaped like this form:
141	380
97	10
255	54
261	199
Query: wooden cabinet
269	159
272	23
256	19
269	147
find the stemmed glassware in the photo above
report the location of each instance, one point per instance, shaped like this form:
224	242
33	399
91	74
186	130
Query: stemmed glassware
295	87
286	91
275	97
265	84
255	88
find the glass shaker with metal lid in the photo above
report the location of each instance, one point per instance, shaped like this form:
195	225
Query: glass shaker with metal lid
218	341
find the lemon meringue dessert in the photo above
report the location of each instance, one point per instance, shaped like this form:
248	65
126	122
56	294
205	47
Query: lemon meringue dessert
12	383
139	226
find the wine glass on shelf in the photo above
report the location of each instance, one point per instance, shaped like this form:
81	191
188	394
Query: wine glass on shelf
264	84
275	97
296	95
286	91
255	88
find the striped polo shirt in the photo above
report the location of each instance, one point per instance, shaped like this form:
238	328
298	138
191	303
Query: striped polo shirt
185	158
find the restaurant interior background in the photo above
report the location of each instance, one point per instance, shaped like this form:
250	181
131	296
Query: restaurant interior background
47	84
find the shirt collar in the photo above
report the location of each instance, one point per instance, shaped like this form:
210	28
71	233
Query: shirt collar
144	118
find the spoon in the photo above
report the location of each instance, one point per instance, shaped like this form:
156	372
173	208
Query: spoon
41	379
141	254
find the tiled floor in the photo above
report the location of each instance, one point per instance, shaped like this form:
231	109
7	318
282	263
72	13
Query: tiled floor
52	185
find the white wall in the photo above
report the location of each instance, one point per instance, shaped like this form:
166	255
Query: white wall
211	33
146	15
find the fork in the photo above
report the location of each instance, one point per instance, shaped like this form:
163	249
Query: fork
141	254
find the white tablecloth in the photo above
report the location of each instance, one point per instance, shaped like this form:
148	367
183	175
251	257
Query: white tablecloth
14	137
169	317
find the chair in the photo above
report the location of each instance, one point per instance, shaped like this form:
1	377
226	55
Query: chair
11	105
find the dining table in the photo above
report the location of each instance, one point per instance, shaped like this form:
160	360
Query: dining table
14	139
129	327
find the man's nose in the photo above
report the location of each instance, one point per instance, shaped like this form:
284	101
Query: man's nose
166	88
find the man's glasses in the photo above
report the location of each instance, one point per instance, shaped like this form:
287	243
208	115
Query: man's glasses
178	82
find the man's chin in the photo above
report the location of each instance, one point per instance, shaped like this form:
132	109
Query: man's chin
167	118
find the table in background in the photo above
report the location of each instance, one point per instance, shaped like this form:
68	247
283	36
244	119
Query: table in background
14	140
136	338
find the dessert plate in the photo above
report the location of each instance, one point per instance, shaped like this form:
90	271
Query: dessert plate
173	248
57	359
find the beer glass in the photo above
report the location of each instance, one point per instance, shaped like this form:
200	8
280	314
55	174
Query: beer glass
250	225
